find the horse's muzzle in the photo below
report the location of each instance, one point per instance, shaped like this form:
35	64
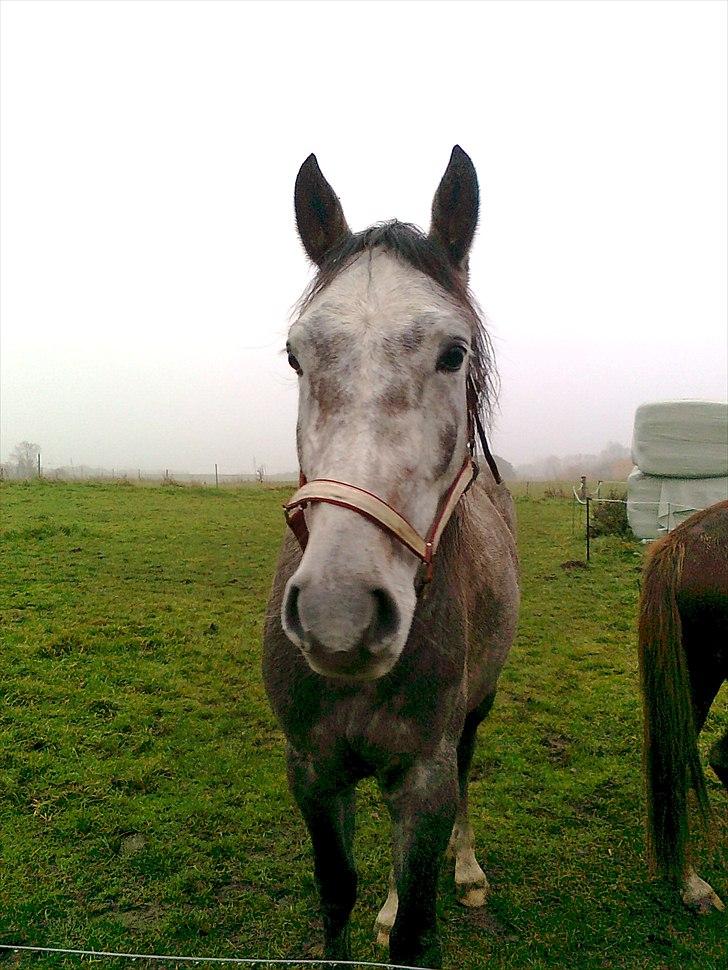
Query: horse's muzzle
347	635
359	664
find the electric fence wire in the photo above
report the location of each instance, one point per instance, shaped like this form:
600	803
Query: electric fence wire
239	961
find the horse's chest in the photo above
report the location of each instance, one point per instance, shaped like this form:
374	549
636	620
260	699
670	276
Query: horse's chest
374	737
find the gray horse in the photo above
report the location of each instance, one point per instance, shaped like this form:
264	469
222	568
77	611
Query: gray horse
374	663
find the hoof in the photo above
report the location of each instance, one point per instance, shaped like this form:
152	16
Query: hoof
699	896
704	905
473	895
382	934
711	903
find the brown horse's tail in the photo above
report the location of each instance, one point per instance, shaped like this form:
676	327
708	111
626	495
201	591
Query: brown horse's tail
671	758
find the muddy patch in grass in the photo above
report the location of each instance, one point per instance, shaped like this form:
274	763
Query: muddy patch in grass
558	748
487	922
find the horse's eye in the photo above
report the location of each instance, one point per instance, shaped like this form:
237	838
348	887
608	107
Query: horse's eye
293	361
452	359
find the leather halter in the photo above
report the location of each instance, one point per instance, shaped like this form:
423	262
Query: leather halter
370	506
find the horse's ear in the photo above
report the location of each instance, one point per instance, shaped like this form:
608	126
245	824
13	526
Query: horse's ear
319	216
455	208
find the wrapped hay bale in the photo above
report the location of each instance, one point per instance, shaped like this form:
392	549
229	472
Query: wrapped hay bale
681	439
656	504
680	497
643	501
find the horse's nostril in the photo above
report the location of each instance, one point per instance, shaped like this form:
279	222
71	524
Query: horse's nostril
290	612
323	619
386	616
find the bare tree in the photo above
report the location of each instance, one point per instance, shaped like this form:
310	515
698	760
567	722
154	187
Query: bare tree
260	474
25	456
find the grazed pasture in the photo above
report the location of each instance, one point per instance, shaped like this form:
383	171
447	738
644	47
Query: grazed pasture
143	803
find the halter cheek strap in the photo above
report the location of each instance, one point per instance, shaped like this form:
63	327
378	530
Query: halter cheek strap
331	492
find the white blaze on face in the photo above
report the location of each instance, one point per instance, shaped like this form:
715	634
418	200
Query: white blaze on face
377	409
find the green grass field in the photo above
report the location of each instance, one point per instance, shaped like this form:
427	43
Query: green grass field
143	803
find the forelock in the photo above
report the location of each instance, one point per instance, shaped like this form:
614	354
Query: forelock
414	248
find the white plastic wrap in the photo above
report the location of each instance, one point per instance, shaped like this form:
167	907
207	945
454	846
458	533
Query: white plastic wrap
681	439
656	504
643	501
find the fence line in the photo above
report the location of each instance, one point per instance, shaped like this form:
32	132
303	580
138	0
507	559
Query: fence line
239	961
589	500
164	474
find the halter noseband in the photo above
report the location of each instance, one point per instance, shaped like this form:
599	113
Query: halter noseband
365	503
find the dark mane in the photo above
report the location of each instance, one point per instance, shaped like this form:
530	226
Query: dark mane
426	255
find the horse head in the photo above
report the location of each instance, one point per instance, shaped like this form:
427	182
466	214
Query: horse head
386	342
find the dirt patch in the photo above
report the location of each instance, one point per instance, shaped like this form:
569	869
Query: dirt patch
558	748
133	844
140	917
488	923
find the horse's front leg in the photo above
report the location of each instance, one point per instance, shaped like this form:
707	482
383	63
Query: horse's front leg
422	801
328	811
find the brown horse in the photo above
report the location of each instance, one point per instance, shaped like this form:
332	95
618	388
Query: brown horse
683	653
375	664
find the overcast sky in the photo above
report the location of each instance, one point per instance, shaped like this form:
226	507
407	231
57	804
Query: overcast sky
149	255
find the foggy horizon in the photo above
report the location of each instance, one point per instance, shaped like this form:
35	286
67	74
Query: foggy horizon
149	257
611	450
